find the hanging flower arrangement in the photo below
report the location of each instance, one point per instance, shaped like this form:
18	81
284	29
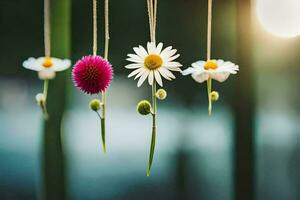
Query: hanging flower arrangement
93	74
46	66
211	69
152	63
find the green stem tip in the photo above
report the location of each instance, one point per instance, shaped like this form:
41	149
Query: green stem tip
102	127
152	148
103	134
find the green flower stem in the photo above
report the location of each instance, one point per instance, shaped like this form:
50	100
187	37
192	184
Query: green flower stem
46	85
106	50
103	122
209	84
44	106
102	127
103	134
153	139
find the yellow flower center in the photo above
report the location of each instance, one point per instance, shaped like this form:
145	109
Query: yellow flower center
211	64
153	62
47	62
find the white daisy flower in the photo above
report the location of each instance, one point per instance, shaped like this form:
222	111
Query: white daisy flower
47	66
153	63
215	69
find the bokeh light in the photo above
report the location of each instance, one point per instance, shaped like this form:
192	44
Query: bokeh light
279	17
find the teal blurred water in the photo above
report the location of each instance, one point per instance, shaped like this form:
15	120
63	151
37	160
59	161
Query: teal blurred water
193	155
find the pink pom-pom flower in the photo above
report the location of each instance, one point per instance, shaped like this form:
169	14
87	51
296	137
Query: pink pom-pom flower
92	74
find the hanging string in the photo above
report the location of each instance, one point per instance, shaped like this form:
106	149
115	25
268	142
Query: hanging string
152	11
95	27
106	10
209	27
150	14
154	20
47	46
209	22
106	48
47	31
150	18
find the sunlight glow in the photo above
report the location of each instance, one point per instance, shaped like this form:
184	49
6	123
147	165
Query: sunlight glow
279	17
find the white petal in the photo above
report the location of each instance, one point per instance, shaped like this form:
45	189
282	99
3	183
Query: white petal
174	69
142	79
172	64
228	67
220	76
150	77
133	66
140	52
173	58
151	47
165	52
166	73
158	78
32	64
135	72
134	60
199	64
159	48
60	65
143	51
200	77
188	71
135	57
168	54
220	62
140	73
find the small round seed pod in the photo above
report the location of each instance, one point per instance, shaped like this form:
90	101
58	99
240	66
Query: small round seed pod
144	107
214	95
40	99
161	94
95	105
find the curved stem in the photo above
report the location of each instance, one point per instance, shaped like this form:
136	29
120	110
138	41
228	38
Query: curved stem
102	127
103	134
153	139
103	122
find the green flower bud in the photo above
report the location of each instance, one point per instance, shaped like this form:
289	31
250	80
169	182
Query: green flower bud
40	99
161	94
214	95
95	104
144	107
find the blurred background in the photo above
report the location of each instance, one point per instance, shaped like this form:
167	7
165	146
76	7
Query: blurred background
248	149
